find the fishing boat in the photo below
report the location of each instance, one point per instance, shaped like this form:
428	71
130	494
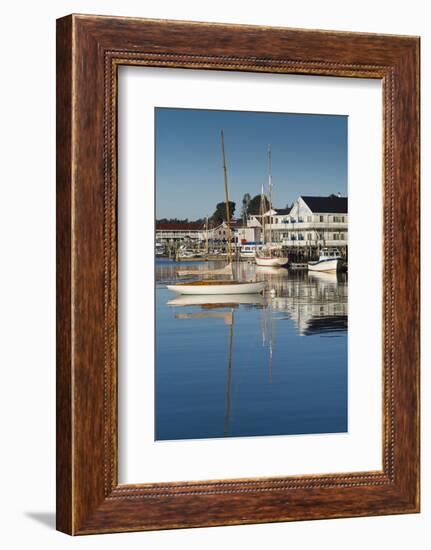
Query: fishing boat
220	286
269	255
329	260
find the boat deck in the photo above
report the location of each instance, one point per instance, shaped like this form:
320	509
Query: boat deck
209	283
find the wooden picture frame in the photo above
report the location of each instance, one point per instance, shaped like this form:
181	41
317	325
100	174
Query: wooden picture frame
89	51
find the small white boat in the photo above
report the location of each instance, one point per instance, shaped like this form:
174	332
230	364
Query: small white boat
160	249
185	254
271	261
329	260
217	287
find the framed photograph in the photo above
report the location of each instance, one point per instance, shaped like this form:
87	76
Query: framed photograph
237	274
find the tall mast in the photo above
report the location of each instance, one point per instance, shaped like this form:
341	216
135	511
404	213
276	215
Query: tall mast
229	251
262	213
206	235
270	193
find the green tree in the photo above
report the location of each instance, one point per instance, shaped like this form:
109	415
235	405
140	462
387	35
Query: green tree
254	205
220	212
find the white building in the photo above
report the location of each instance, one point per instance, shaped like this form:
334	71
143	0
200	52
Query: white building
314	221
195	233
179	232
311	221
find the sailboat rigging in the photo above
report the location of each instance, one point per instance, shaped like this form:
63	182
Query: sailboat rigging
269	255
220	286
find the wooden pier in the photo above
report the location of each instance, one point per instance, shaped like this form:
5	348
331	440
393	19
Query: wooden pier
299	256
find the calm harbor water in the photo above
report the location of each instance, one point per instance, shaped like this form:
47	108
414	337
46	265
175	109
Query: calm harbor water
251	365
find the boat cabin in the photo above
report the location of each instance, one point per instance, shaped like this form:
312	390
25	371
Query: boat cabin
248	250
328	253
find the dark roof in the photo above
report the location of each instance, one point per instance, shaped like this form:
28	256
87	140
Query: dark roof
237	223
179	226
283	211
333	204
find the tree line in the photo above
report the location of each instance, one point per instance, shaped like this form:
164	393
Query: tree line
249	206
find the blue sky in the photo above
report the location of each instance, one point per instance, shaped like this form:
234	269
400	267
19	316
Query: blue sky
309	157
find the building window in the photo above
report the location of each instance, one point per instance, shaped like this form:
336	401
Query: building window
341	236
308	218
309	237
320	218
300	219
335	237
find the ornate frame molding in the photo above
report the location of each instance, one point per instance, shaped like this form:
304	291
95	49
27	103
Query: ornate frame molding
90	50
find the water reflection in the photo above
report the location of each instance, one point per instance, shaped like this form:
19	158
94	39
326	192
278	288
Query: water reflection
316	302
305	386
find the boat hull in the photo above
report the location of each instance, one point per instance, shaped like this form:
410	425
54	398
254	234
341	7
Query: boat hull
225	289
330	265
271	262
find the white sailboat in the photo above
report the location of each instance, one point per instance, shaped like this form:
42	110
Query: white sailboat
271	261
217	287
269	256
220	286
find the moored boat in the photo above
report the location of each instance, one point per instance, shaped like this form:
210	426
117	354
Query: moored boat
329	260
271	261
160	249
186	255
218	287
